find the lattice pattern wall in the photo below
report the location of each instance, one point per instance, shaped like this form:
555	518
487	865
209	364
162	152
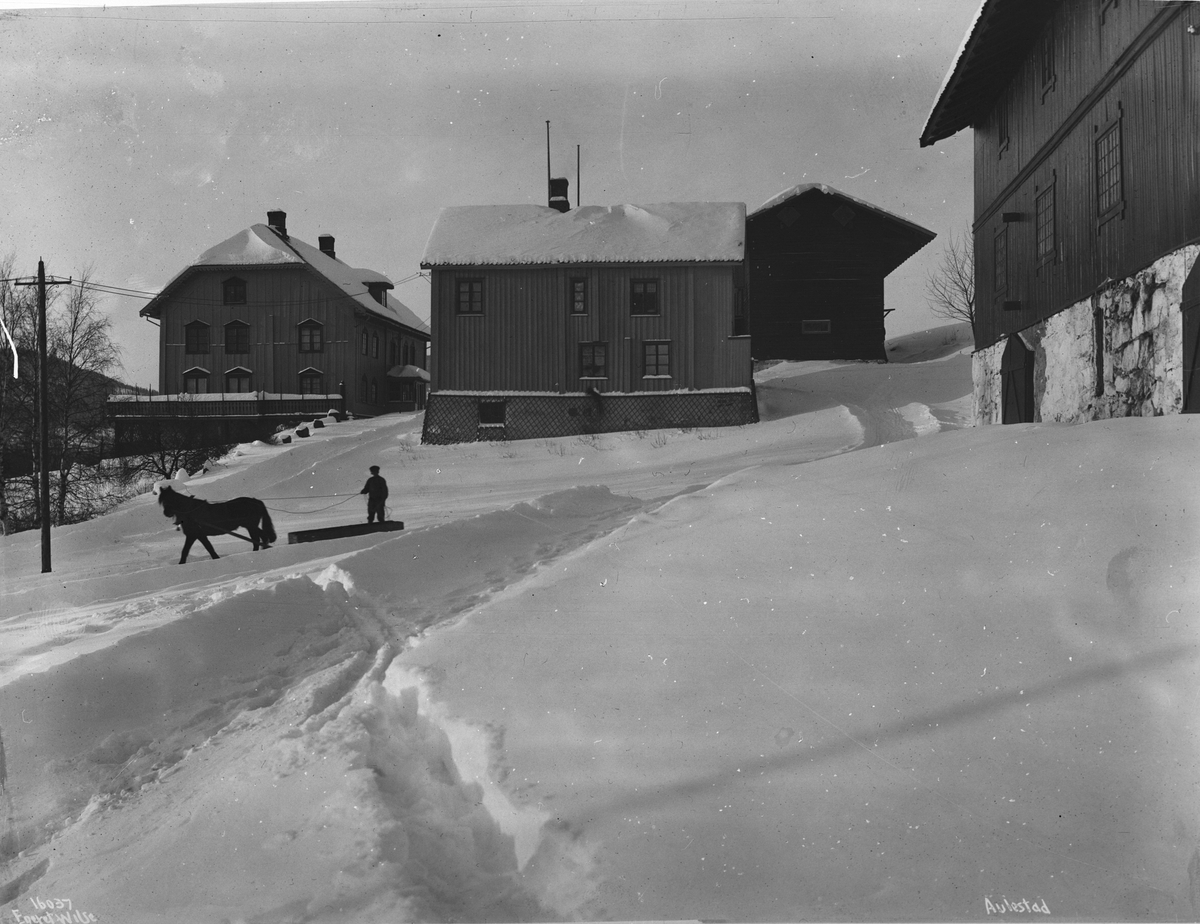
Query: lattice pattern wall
456	418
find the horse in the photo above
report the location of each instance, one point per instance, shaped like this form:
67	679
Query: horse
199	519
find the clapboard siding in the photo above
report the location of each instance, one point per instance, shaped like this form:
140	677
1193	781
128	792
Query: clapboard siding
527	339
1139	66
278	299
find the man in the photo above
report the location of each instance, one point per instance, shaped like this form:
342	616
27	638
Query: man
376	490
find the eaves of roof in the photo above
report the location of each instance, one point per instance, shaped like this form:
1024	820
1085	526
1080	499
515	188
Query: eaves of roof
260	247
902	225
992	51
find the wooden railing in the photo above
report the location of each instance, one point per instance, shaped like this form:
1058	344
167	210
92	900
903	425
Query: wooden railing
253	404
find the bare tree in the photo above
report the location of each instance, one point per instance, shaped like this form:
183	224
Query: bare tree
950	289
18	312
80	340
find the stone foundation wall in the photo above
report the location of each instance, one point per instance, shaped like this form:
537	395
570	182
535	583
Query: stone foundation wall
454	418
1142	351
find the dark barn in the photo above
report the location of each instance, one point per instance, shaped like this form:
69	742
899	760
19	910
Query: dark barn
1087	214
817	260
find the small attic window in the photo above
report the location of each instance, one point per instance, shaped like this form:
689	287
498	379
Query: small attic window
233	291
378	291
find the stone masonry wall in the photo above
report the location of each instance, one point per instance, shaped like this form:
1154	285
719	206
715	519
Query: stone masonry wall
1142	350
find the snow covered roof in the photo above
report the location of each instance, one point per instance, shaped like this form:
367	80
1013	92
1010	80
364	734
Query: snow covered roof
537	234
987	59
804	188
259	245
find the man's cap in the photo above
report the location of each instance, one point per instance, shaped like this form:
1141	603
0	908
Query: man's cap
374	468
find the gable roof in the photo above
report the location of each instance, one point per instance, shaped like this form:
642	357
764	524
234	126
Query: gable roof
479	235
990	54
803	189
259	246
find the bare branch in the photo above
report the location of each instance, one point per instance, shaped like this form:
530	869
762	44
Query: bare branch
950	289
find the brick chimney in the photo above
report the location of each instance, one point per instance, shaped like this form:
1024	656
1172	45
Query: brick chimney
277	222
325	242
558	194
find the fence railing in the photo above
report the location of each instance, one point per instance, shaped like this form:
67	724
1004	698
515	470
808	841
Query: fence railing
228	404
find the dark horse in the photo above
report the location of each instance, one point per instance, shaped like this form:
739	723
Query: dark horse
199	519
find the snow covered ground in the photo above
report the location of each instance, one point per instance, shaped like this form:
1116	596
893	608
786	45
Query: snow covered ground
740	674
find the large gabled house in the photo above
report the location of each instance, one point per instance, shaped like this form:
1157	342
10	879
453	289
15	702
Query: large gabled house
817	261
1087	205
549	321
264	326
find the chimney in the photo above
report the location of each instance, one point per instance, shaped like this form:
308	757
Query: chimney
325	241
277	221
558	194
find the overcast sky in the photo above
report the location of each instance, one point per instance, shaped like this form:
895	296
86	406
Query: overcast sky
134	138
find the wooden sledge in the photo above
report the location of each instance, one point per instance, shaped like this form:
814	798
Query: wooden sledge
342	532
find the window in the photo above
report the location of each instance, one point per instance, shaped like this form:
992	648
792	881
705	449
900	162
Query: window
393	353
643	296
470	296
195	337
656	358
312	382
578	296
237	337
233	291
362	389
238	381
1046	59
1110	196
593	360
375	346
819	326
1000	262
491	413
195	381
1047	247
312	337
374	391
740	327
365	342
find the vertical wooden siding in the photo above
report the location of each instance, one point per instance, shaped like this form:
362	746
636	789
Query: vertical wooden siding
1150	61
526	338
277	301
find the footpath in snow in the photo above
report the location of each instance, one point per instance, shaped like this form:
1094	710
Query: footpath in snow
739	673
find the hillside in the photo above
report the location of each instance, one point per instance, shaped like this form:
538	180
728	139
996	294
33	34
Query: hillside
857	661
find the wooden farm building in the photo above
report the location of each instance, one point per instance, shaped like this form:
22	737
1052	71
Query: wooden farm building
549	322
1087	205
817	260
264	328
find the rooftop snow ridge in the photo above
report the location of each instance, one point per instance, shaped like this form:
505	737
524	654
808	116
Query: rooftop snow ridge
535	234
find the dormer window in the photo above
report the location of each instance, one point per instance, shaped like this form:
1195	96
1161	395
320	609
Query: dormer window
237	337
195	337
233	291
378	291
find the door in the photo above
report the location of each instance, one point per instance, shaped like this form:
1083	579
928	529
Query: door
1016	375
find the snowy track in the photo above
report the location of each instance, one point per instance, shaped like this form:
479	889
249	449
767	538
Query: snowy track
646	675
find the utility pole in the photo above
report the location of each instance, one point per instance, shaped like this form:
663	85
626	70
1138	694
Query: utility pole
43	414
